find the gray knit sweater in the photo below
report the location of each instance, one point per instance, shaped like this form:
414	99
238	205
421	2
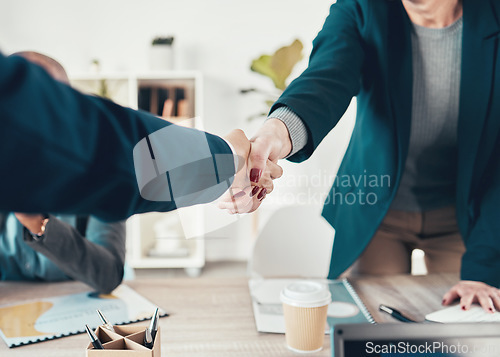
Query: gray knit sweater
428	180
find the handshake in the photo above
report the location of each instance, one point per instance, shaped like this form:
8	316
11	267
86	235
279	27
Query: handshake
196	176
257	166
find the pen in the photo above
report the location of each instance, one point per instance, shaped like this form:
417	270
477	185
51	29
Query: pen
93	338
395	313
153	326
105	322
148	339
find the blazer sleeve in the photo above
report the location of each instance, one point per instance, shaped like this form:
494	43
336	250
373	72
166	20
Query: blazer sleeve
96	259
322	93
65	152
481	261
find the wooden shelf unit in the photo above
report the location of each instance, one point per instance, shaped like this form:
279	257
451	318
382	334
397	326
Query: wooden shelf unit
142	237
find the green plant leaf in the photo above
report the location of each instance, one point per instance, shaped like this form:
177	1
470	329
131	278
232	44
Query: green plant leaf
262	65
280	65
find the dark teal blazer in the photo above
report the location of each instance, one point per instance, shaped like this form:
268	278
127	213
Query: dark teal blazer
364	50
65	152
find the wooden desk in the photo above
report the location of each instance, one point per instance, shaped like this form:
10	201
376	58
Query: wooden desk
213	317
415	296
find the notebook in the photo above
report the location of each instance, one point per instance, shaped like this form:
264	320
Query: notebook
455	314
49	318
346	306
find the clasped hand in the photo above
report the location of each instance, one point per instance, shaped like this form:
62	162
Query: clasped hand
257	166
250	185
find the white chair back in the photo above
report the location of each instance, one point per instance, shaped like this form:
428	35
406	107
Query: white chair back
296	241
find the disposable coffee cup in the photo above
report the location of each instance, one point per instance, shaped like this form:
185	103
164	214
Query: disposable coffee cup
305	305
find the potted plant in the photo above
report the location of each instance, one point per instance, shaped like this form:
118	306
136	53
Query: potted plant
162	55
278	68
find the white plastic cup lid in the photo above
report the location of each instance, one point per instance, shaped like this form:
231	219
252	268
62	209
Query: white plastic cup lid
306	294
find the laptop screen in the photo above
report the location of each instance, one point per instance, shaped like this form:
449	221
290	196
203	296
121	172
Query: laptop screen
426	340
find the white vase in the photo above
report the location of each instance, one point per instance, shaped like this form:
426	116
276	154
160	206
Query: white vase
161	57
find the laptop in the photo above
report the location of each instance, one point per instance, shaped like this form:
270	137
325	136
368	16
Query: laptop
416	339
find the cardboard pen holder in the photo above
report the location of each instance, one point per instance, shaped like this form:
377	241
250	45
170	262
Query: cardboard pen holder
125	341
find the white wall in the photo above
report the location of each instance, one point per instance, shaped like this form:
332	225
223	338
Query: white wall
217	37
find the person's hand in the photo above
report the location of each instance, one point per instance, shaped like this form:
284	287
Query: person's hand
271	143
245	196
470	292
32	222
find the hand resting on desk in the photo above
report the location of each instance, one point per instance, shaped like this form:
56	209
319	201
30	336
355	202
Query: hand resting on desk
470	292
